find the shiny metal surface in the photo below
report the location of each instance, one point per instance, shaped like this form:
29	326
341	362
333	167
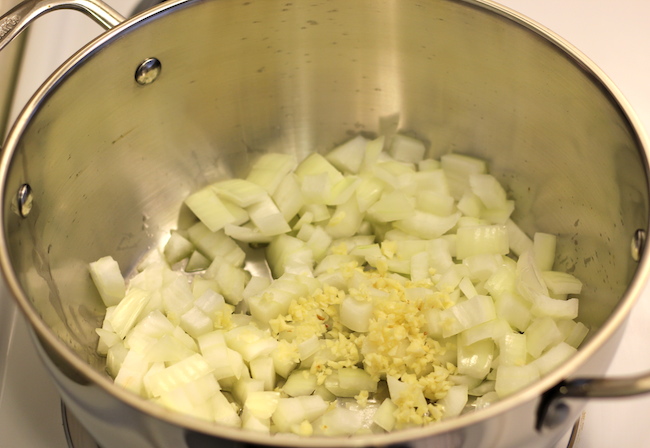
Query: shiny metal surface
243	78
638	243
9	66
148	71
13	22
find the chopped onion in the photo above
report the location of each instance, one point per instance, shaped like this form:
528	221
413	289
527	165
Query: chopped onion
401	293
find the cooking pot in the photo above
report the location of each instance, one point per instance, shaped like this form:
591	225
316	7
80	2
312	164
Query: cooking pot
9	63
101	158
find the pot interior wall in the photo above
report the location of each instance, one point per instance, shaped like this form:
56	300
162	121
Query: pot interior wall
110	161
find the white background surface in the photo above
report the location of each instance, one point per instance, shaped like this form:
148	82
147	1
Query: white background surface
615	34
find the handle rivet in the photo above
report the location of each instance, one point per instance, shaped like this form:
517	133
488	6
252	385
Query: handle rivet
638	242
23	201
556	415
148	71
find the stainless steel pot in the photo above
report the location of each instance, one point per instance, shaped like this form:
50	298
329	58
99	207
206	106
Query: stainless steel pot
9	64
185	93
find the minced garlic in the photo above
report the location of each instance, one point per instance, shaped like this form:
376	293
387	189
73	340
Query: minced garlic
396	343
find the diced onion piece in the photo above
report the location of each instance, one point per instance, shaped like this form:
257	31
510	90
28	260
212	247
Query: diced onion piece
492	329
574	332
216	244
454	402
227	364
270	169
373	150
396	176
348	382
300	382
470	205
356	379
512	349
106	340
481	267
499	215
245	387
544	250
246	234
230	278
284	251
349	156
530	282
316	164
241	192
400	391
458	168
168	349
108	279
368	191
467	314
224	413
293	411
268	218
338	422
407	149
262	368
288	197
132	371
250	342
285	358
541	334
477	240
315	188
177	248
345	221
419	267
384	417
342	191
127	312
502	280
318	241
182	372
554	357
519	241
561	282
488	189
433	181
197	262
510	379
262	404
426	225
555	308
209	208
392	206
195	322
435	203
356	314
476	360
428	165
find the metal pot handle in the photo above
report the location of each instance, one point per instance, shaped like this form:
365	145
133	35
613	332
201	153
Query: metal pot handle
553	410
19	17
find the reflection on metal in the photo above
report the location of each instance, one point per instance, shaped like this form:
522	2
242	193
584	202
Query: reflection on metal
75	434
638	243
9	66
575	432
23	201
148	71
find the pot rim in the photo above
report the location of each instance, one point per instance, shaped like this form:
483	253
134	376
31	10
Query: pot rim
531	393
